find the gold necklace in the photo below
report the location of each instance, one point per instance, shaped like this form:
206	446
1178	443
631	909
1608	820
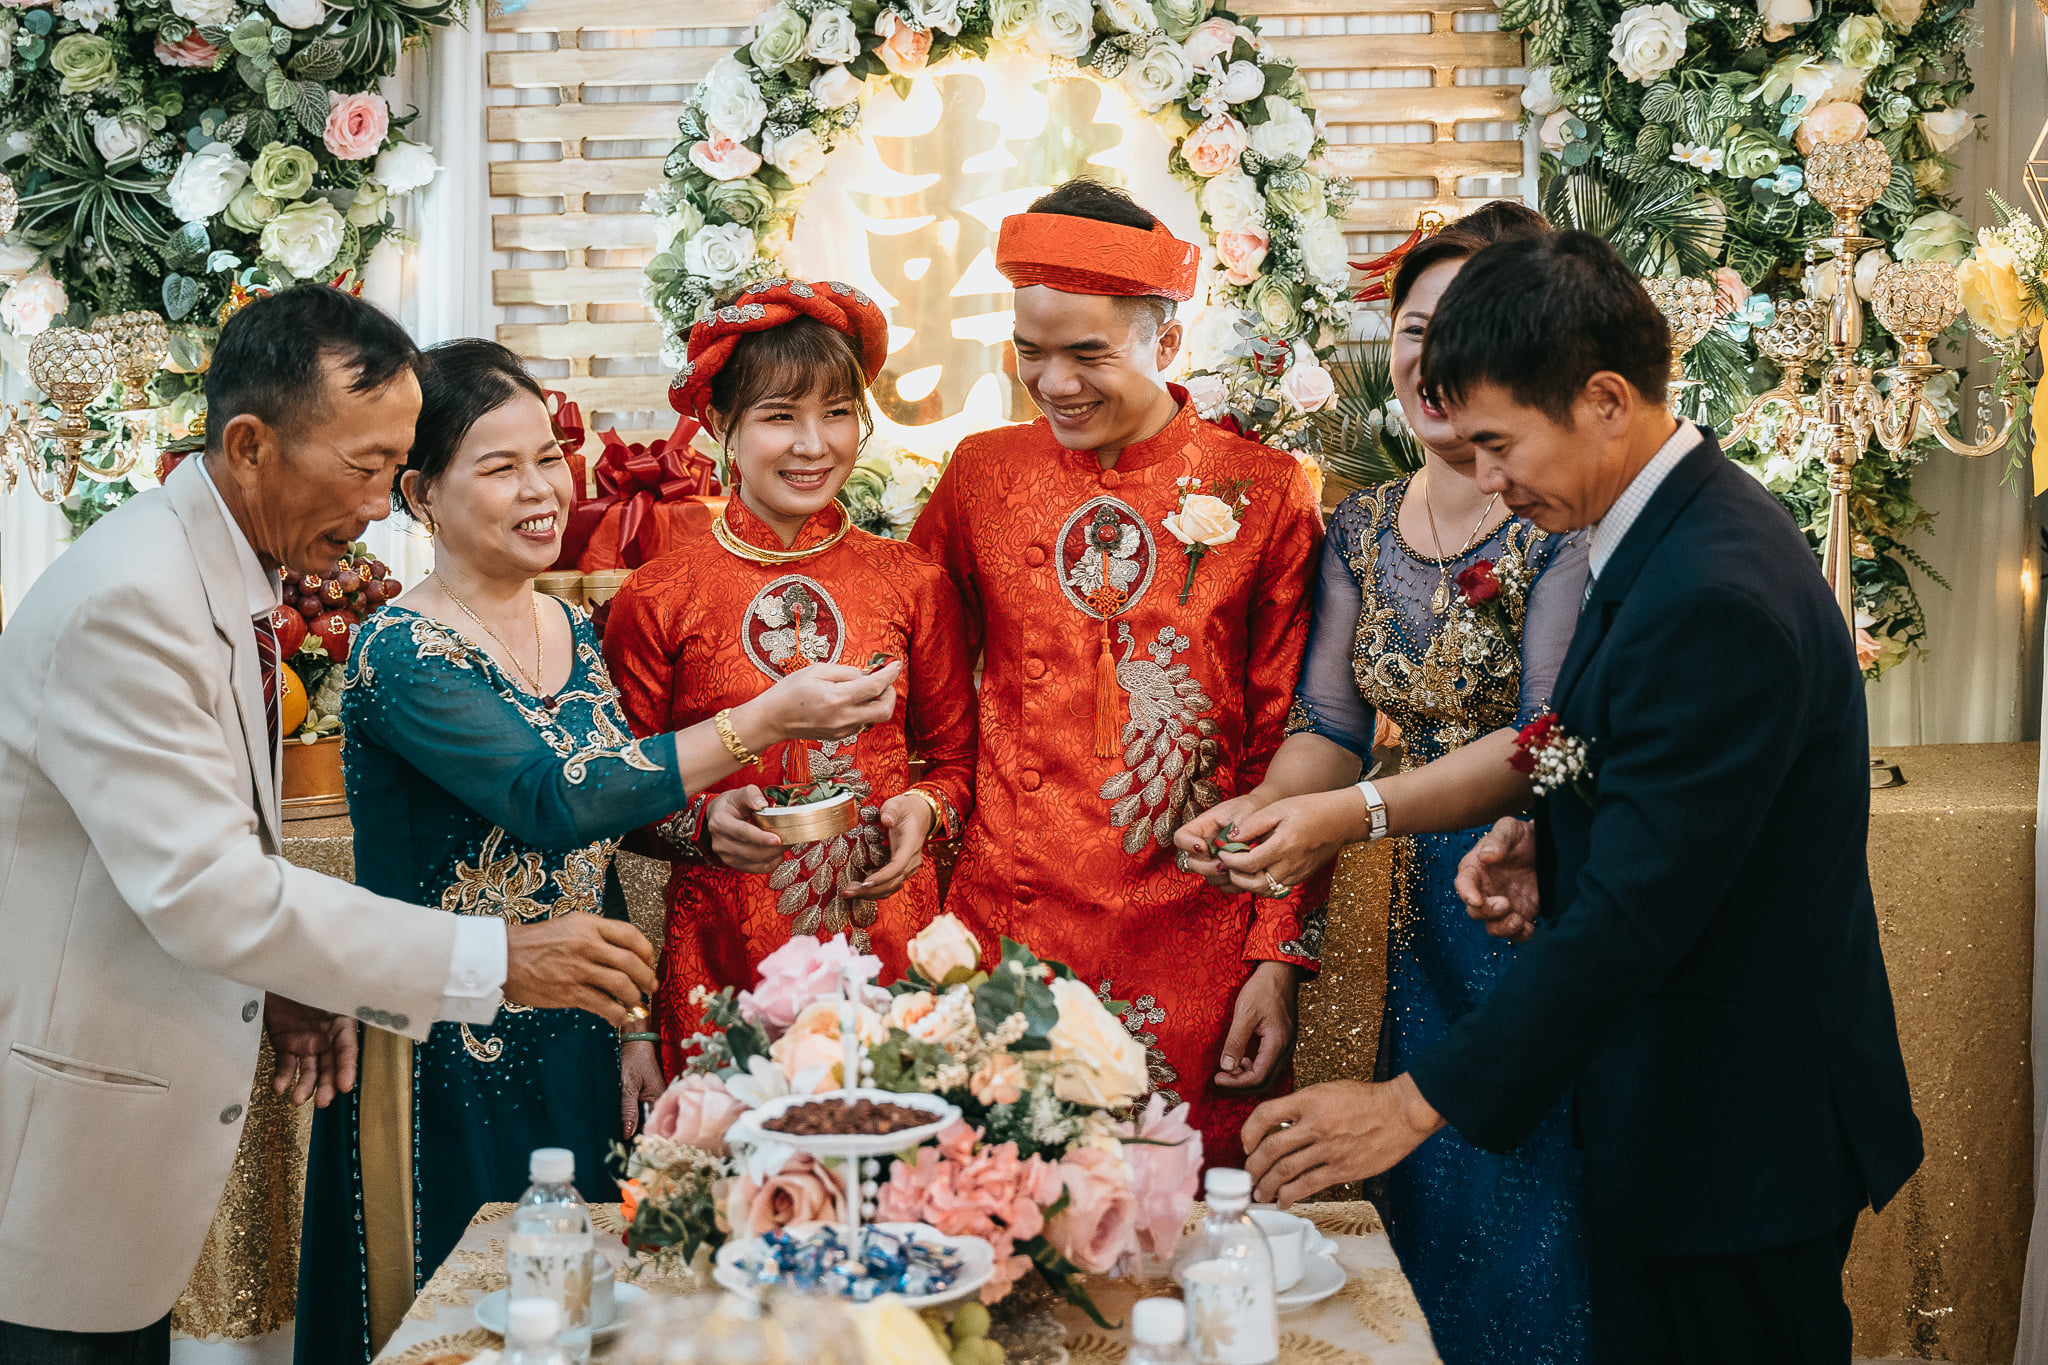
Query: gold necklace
726	536
540	658
1441	598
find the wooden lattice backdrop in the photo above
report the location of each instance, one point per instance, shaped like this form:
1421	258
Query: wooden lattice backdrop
1420	96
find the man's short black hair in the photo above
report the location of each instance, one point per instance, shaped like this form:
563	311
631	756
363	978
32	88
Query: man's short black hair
1541	315
268	360
1083	197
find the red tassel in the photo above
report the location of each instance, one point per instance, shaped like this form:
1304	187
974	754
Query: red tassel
796	764
1105	700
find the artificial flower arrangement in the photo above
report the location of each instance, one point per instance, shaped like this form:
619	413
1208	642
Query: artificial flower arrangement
316	625
168	151
2004	288
1680	133
1246	139
887	490
1053	1162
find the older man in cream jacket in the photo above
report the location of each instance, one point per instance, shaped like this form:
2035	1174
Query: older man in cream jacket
145	905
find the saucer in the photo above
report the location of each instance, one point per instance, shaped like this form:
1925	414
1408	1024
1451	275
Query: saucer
1320	1277
489	1311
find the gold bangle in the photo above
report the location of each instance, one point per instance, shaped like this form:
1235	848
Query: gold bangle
722	722
938	811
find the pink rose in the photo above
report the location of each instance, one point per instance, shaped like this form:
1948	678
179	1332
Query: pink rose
799	972
194	51
1835	121
724	158
812	1054
1163	1178
1308	386
1868	648
801	1192
1099	1224
1732	293
992	1194
1242	251
904	48
356	125
1214	147
1212	39
998	1080
695	1110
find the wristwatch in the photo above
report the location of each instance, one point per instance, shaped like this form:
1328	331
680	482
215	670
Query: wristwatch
1376	809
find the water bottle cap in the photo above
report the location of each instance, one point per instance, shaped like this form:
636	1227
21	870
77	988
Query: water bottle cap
551	1166
1227	1182
532	1321
1159	1322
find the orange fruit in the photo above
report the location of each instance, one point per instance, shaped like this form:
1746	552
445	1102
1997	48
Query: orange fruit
291	701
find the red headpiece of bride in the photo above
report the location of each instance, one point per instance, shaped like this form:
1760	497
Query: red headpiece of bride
770	303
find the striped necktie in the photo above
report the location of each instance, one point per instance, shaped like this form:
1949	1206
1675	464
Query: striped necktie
266	653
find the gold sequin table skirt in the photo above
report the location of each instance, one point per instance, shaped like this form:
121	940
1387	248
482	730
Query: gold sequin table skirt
1372	1320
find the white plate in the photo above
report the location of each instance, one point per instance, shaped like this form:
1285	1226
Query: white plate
1320	1277
977	1263
747	1127
489	1311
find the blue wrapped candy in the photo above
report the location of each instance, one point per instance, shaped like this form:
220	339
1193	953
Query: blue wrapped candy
859	1267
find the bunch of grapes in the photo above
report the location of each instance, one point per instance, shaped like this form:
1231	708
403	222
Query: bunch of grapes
327	611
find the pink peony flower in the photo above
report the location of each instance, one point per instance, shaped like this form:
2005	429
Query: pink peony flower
1731	292
991	1194
903	48
1099	1223
1242	251
195	51
998	1080
1214	147
801	1192
1164	1178
356	125
724	158
695	1110
800	971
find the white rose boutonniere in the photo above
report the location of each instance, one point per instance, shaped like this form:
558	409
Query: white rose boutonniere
1204	521
1648	42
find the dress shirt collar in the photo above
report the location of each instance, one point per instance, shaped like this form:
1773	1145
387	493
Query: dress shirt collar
1168	441
1604	537
261	587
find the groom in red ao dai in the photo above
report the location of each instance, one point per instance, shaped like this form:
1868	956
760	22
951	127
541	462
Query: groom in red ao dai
1111	709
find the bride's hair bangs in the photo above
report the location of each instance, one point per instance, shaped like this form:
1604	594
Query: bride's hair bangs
800	358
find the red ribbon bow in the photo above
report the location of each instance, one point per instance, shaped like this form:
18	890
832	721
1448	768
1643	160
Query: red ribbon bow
634	478
567	420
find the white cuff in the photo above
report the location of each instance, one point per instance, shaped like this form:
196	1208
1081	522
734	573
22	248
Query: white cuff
476	970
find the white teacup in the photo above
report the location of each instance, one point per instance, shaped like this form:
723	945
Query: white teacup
1287	1237
603	1281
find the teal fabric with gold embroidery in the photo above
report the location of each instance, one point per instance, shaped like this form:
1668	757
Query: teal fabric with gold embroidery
468	793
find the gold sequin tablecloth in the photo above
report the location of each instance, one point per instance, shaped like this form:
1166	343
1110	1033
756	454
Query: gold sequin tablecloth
1372	1320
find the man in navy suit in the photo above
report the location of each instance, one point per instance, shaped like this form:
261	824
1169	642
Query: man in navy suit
1701	969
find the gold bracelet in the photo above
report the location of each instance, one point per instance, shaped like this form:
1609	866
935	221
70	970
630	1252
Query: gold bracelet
938	811
722	722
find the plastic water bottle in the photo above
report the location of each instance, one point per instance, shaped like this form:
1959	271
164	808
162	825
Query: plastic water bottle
1226	1273
1159	1333
549	1254
530	1329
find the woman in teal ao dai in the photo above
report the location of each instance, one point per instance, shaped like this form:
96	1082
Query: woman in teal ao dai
1492	1242
491	772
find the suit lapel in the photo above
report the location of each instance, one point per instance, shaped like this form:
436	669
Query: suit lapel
1628	559
220	574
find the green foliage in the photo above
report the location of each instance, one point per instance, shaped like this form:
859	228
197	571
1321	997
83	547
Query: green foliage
1360	444
1018	986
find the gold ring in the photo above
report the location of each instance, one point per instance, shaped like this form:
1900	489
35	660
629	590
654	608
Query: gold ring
1275	888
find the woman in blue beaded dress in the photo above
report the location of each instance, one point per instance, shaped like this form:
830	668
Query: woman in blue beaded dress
1492	1243
490	771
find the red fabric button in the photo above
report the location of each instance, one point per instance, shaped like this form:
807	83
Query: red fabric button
1111	479
1034	668
1029	780
1034	556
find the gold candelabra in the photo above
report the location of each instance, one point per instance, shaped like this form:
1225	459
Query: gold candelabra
73	366
1836	420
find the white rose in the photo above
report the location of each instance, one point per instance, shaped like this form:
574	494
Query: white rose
720	253
832	37
16	258
1206	392
800	156
1944	128
1845	83
1780	15
204	12
1232	200
1063	28
943	947
942	16
405	166
1214	336
1648	42
1936	235
298	13
1102	1064
117	137
33	304
835	87
1551	134
1539	91
1287	131
1160	77
1796	75
1901	14
1242	83
1308	387
731	102
367	208
205	181
1325	253
304	237
1130	16
1010	20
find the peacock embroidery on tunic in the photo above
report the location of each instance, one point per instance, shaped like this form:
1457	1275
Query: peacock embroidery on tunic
1138	1016
1169	745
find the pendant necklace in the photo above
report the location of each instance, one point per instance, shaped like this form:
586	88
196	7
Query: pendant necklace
1440	600
540	665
